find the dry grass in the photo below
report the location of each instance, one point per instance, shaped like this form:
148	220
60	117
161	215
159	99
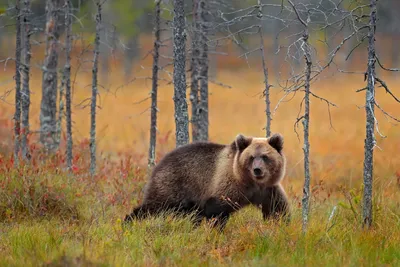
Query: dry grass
36	232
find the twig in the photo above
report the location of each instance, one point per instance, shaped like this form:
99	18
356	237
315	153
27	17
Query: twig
387	89
386	113
384	68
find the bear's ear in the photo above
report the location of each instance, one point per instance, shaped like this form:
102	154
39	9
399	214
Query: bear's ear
241	142
276	141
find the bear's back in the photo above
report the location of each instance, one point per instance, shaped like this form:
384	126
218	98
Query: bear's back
187	170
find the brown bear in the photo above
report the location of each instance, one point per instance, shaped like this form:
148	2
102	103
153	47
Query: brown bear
213	180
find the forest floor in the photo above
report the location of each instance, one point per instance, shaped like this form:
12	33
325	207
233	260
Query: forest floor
55	218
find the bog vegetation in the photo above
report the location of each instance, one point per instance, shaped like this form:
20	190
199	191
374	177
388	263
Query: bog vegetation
55	217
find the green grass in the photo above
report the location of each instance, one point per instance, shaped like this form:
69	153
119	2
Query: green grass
51	218
97	237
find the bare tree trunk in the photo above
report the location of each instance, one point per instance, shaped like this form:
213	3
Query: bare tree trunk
203	64
57	135
267	86
305	119
25	94
306	123
194	86
370	120
67	79
48	108
17	115
94	92
153	116
181	108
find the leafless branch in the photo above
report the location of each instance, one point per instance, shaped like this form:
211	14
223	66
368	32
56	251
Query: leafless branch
386	113
383	84
305	24
384	68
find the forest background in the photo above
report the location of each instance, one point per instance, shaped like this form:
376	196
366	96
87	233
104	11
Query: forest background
50	215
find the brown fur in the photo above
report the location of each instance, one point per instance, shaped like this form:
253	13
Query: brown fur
215	180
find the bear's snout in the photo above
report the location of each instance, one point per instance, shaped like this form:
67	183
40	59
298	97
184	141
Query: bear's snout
257	172
257	168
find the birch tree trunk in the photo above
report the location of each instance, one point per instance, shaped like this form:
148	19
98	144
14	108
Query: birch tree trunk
48	108
306	123
153	115
203	66
370	120
94	91
25	69
194	86
67	80
17	115
57	134
267	86
179	76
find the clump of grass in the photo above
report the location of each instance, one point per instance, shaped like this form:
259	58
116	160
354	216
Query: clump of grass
71	261
35	195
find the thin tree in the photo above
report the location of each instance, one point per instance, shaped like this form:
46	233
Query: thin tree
195	71
67	79
306	125
306	117
25	69
203	67
370	119
179	75
94	91
58	130
265	72
153	115
17	115
48	107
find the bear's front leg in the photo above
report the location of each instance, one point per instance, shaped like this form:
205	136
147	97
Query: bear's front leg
275	204
219	211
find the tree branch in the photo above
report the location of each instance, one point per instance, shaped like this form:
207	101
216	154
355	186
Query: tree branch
387	89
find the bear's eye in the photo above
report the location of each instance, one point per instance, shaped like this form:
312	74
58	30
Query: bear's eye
264	157
251	158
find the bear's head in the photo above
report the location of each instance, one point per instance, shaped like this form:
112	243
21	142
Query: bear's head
259	159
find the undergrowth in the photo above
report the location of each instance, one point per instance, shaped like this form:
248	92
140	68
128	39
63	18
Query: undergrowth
50	216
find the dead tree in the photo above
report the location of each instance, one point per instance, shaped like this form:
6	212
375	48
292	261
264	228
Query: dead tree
306	123
25	70
48	108
363	25
370	120
203	69
58	130
179	75
305	118
67	79
311	16
17	115
154	89
265	72
195	71
93	105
